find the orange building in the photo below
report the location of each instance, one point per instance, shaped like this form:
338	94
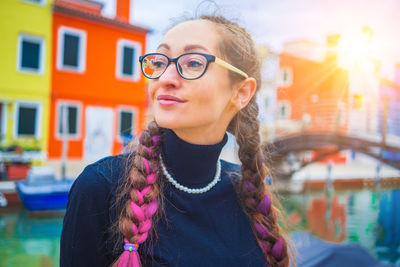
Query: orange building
98	94
312	94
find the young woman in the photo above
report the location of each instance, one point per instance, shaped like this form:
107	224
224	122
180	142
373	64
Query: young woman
172	201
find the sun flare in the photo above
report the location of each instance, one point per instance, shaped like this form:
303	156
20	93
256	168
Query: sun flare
360	50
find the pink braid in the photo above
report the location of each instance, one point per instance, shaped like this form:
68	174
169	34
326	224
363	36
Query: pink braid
143	203
143	215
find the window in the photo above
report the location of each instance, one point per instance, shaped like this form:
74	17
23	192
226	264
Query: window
285	77
27	119
357	101
127	66
314	98
71	49
267	102
40	2
126	126
284	110
30	56
71	111
3	117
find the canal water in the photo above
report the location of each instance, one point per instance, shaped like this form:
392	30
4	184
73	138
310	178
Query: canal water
369	218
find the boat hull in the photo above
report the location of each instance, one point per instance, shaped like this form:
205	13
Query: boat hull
52	197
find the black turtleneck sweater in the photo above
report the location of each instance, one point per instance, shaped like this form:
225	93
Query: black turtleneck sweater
208	229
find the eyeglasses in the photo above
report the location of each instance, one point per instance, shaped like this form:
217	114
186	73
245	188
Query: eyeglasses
190	66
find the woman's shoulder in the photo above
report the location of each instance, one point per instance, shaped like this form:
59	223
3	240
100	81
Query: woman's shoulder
230	170
230	167
102	174
111	168
233	170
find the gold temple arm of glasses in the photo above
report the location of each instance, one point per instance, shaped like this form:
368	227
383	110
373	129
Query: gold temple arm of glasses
230	67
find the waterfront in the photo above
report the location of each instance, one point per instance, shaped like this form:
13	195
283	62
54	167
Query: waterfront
369	218
29	239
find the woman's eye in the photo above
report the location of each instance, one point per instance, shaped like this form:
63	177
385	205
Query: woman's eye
194	64
158	64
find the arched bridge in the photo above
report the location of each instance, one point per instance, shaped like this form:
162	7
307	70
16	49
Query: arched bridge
288	150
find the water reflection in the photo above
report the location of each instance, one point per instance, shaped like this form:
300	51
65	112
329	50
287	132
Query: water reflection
369	218
27	240
362	218
326	218
388	237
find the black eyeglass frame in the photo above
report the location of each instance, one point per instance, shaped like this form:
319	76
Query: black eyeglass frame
209	58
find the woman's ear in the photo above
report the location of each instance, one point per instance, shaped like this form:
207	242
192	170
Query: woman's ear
244	92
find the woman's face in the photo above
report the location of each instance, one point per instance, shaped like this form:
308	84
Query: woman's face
200	110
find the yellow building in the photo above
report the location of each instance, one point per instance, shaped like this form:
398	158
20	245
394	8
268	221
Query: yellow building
25	58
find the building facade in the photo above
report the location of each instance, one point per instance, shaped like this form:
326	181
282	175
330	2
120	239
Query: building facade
25	71
98	96
312	95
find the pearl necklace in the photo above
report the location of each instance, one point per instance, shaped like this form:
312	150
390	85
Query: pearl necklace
192	190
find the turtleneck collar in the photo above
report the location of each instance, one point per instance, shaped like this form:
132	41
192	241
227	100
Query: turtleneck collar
189	164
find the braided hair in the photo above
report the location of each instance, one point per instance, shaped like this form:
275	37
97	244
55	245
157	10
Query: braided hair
141	193
256	199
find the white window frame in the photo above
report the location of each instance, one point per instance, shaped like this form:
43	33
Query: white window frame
314	98
135	118
31	38
3	131
136	71
68	103
62	30
41	2
38	129
289	81
288	109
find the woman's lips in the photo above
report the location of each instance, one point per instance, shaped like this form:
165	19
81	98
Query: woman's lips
169	100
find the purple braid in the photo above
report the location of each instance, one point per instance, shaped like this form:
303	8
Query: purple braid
253	190
136	219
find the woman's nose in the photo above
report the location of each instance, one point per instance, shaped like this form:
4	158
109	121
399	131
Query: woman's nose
170	77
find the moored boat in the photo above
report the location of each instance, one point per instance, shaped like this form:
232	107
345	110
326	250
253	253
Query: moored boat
42	191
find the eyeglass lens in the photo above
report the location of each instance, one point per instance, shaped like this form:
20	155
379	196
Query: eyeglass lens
190	66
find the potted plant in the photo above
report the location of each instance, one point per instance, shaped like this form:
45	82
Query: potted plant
16	167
